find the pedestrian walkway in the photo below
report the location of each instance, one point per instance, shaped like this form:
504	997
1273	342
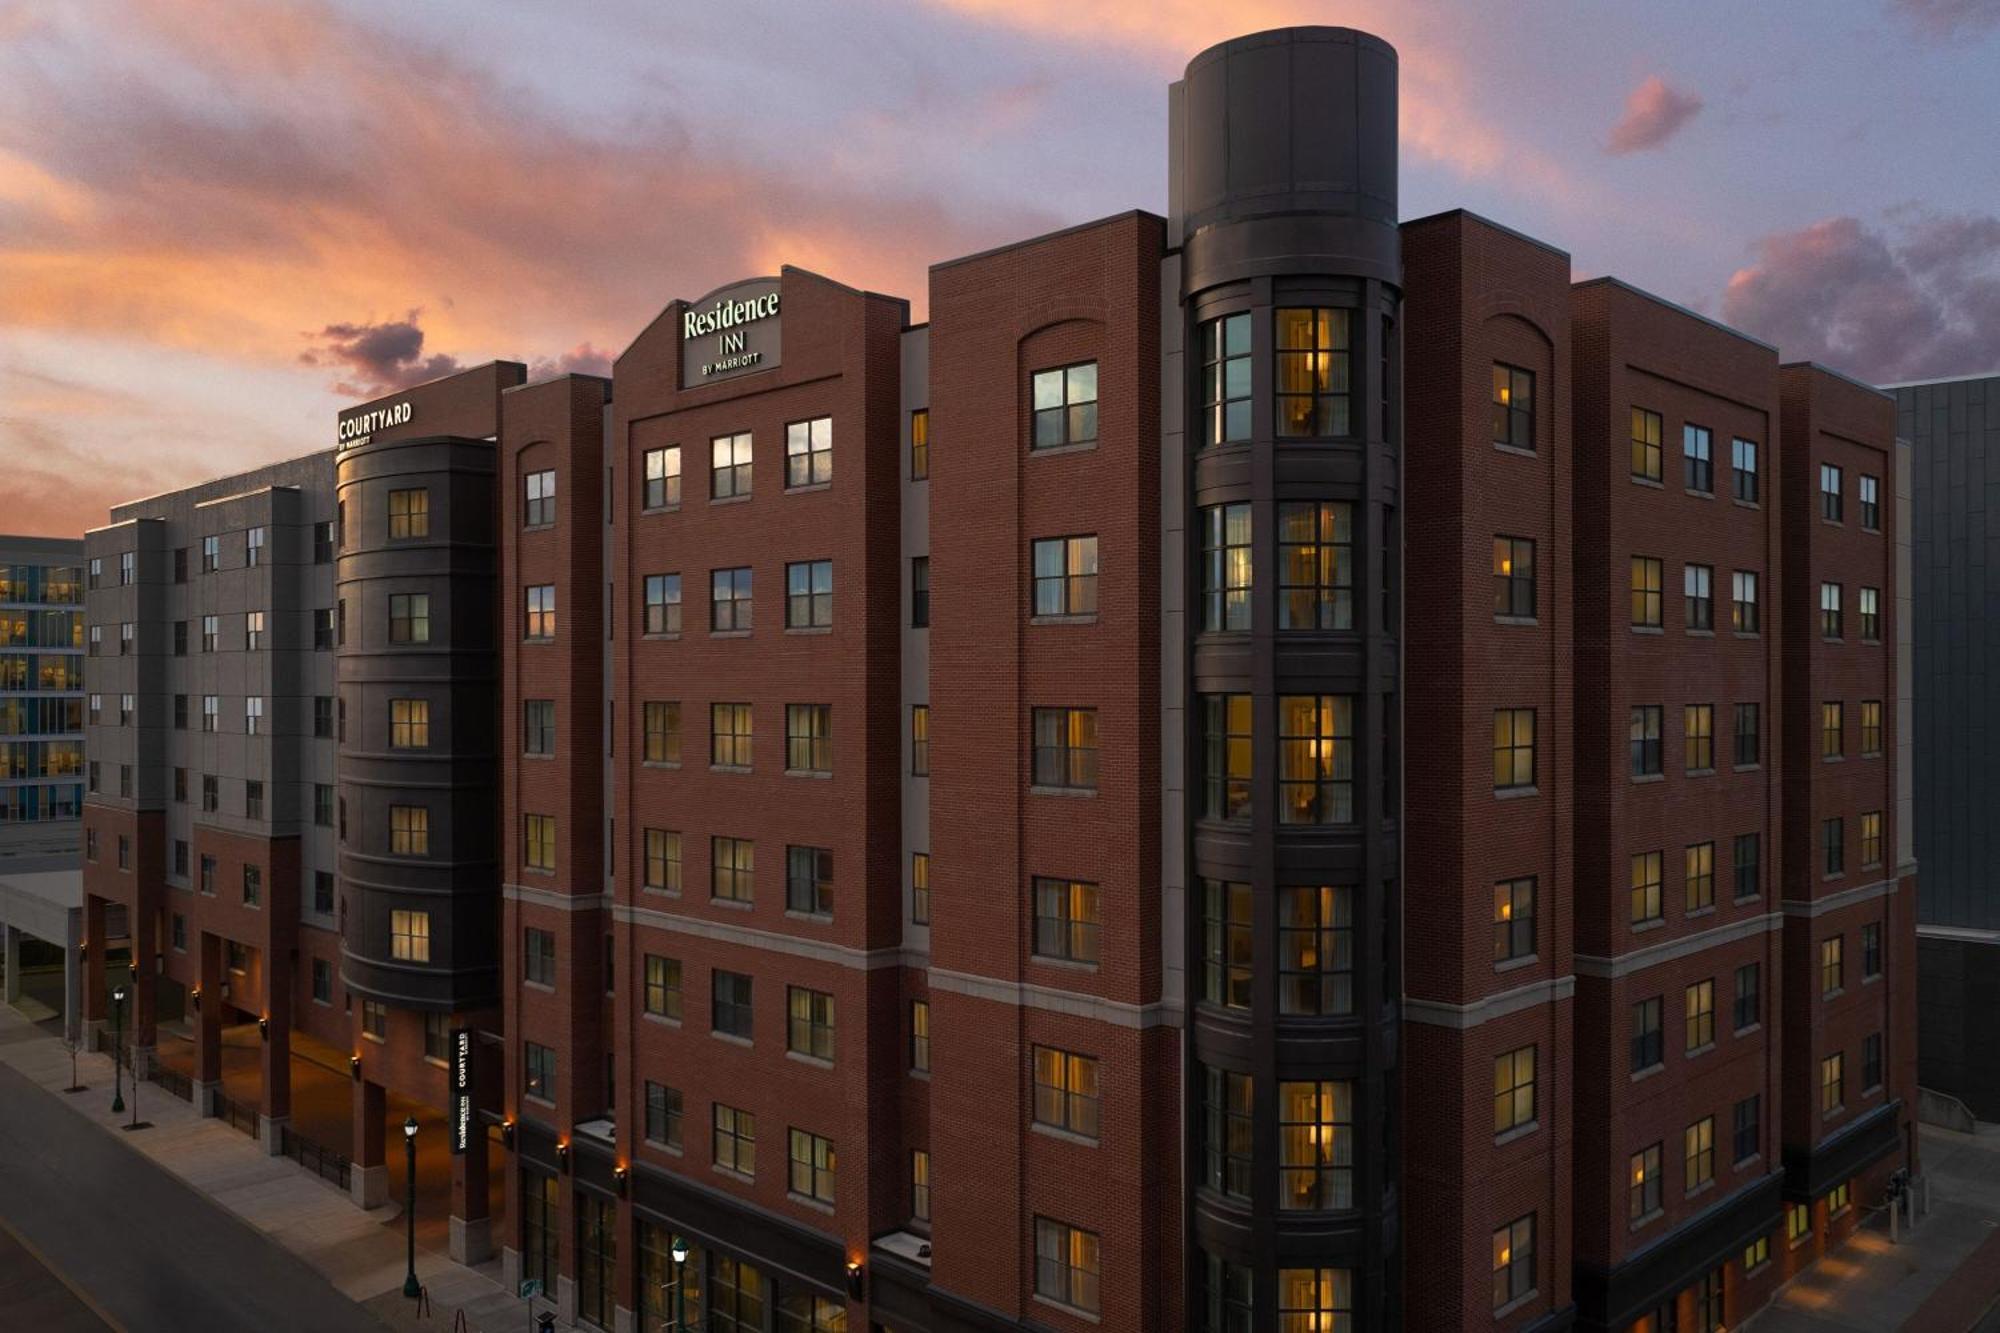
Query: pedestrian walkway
361	1256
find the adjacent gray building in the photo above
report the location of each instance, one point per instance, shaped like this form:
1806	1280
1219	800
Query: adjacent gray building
1954	428
41	697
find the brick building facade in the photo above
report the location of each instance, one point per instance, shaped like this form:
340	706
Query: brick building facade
1270	768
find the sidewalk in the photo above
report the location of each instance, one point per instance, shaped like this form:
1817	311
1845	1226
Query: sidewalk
358	1252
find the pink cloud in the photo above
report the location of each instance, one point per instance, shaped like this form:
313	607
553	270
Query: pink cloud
1654	113
1947	18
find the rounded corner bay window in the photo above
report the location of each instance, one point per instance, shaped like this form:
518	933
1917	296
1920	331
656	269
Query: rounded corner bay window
1315	371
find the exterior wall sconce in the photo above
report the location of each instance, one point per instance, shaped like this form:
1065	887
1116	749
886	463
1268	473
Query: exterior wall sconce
83	949
507	1133
857	1280
354	1066
622	1176
196	994
264	1028
562	1153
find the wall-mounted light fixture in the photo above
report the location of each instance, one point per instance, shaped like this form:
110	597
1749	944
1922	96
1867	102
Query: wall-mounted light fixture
562	1153
507	1132
621	1175
264	1027
857	1280
196	994
354	1066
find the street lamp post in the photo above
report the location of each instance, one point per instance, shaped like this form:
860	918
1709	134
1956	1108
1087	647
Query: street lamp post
410	1287
117	1047
679	1250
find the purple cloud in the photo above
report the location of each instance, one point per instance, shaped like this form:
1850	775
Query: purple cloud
1947	18
1921	303
1654	113
378	358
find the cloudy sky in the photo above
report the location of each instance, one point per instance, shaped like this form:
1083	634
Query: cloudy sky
220	220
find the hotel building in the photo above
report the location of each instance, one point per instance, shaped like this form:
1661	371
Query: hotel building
1269	768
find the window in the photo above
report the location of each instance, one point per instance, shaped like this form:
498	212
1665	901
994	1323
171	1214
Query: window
1695	446
1871	727
663	604
1315	1145
1065	749
811	1167
1645	738
1314	1299
1756	1254
809	595
1513	748
322	550
1748	1011
1315	565
1514	577
128	704
1514	1090
1871	616
538	841
253	552
1225	568
1743	613
410	936
1831	965
1833	850
738	1293
1645	444
1644	1200
1513	407
1698	1150
733	1014
211	633
1316	758
1798	1222
809	880
1066	1264
1225	380
253	800
920	888
1837	1199
1701	1014
660	723
538	956
1830	730
128	632
1700	876
663	860
409	514
538	1066
1513	1261
180	638
1066	576
1315	950
538	726
1226	947
323	804
1869	491
730	735
1066	1095
1066	919
211	554
729	467
808	738
211	711
920	592
1226	756
539	491
809	453
809	1027
409	830
920	740
1065	402
541	605
1228	1107
211	793
1647	576
322	899
662	480
323	716
1513	919
322	970
663	1115
1871	1062
920	444
1647	875
920	1036
1829	610
208	868
1699	605
375	1020
1748	1140
1748	858
1829	492
1313	373
732	872
1871	949
1749	748
322	628
1698	728
1833	1083
409	724
181	785
128	560
1648	1045
729	600
1743	457
663	987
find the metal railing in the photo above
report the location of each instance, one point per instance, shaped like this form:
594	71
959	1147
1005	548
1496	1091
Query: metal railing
172	1080
103	1043
323	1162
235	1114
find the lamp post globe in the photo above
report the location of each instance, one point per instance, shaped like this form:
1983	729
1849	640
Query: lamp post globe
679	1250
117	1050
410	1286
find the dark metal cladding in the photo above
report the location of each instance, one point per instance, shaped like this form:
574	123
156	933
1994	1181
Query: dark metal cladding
454	778
1283	197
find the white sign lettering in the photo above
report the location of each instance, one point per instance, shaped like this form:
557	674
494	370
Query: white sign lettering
356	430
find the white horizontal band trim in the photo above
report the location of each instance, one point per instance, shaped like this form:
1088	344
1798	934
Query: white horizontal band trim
1438	1013
1969	934
562	902
1834	902
1624	964
770	941
1022	995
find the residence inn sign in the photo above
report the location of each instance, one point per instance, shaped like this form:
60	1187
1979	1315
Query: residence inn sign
730	332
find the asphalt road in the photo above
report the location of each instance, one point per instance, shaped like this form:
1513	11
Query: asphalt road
144	1251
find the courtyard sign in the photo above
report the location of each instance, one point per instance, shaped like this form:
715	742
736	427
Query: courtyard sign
461	1089
731	331
355	430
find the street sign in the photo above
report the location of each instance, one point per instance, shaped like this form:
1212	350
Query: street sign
531	1288
461	1090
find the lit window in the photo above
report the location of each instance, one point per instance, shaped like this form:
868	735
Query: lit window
1225	568
1698	727
1066	1091
1065	748
1513	919
1315	1300
1065	576
541	611
1514	1090
409	514
1513	748
730	735
1698	1153
1513	407
1701	1014
735	1146
1700	876
1314	370
1832	1083
1315	565
1513	577
1646	444
920	444
812	1166
410	936
1647	874
1316	950
409	724
1316	1145
1514	1261
732	869
809	1026
1066	1260
808	738
1066	920
661	723
539	841
409	830
663	987
1316	758
1643	1199
663	860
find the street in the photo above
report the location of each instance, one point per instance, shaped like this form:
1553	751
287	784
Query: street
146	1250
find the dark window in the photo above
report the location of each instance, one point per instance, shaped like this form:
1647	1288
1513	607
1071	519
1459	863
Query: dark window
1316	759
1227	1123
538	956
1749	856
1224	1303
1648	1041
1699	599
1743	459
1225	380
1066	919
1833	849
1744	616
539	494
538	1071
180	564
729	600
596	1258
1225	567
1315	565
1829	610
663	1115
1868	605
1749	1130
322	550
1226	943
1513	577
211	793
1316	950
180	638
1871	1061
1871	505
809	452
1749	747
1226	756
809	880
322	976
729	467
1829	492
1644	1199
1645	740
322	901
1696	448
920	592
323	804
211	554
733	1014
809	594
1871	949
1749	1003
1066	576
1513	919
538	726
663	478
1065	403
663	604
1513	406
1313	373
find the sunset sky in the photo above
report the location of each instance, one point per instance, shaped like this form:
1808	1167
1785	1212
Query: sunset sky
222	220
